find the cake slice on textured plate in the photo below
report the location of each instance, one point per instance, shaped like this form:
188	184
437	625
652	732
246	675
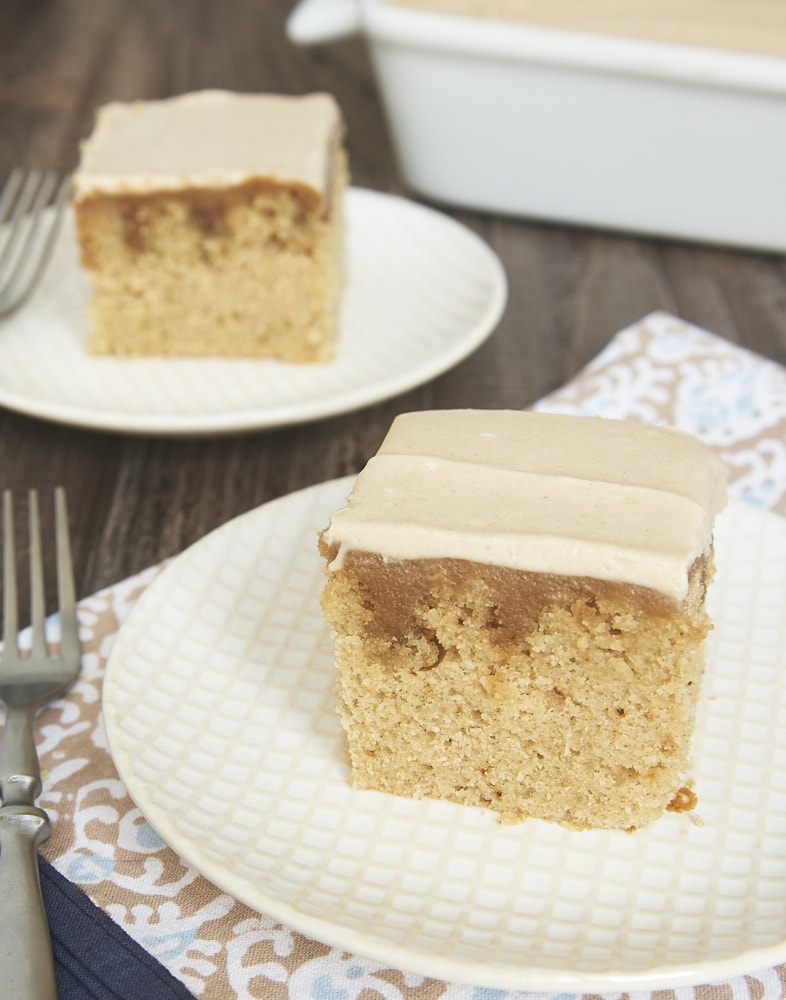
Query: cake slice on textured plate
517	603
212	224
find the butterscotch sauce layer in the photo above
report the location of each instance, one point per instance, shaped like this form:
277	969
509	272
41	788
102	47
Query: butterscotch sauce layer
208	210
393	593
561	496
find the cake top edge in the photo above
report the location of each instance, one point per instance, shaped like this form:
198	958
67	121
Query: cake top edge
572	495
210	139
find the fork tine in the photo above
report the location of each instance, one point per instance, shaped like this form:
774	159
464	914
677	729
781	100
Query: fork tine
66	591
20	188
37	598
10	627
29	191
10	189
26	251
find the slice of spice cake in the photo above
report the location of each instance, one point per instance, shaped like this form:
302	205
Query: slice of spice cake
212	224
517	603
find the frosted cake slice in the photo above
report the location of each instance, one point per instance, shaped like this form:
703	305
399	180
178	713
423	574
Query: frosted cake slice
212	224
517	604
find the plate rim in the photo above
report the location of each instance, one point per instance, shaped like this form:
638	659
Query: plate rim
432	965
292	413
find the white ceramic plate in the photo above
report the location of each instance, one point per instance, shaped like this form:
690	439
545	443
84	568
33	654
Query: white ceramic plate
423	292
221	722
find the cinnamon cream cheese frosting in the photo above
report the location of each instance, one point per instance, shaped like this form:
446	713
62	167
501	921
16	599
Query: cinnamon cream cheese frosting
164	145
580	496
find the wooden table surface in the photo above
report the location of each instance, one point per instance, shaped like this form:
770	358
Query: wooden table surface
135	500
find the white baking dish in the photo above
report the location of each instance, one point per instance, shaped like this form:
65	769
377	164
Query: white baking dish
647	137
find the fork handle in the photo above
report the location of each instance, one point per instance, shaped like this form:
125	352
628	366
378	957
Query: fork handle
27	970
20	774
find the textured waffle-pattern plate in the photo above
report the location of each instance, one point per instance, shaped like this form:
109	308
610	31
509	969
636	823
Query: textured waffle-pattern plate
422	293
221	721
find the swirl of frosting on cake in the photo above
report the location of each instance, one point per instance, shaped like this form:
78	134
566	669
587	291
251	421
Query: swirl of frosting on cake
546	493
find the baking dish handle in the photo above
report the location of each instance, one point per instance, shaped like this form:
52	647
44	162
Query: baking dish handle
315	21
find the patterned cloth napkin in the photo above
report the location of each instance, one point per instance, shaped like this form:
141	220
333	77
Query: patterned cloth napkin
131	920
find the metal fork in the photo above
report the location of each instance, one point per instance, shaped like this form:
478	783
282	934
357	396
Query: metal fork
28	231
27	680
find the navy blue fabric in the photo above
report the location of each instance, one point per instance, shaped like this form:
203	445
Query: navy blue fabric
94	958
